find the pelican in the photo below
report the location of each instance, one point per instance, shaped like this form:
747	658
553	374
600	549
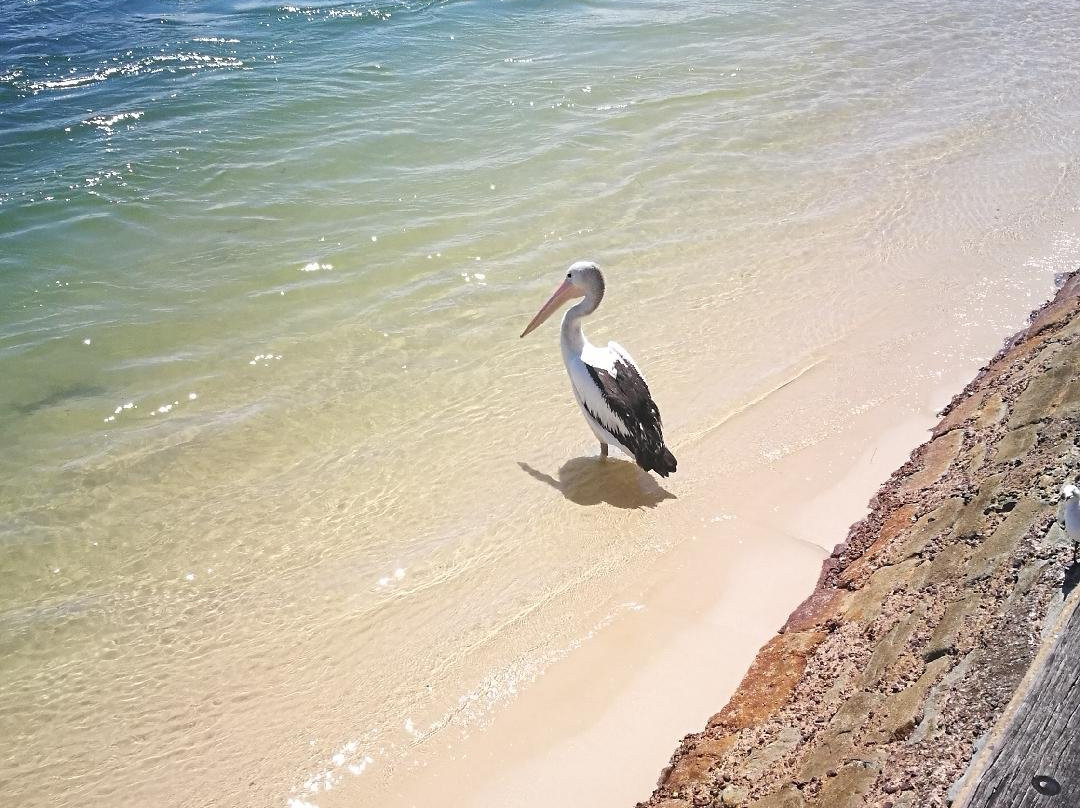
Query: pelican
1070	510
607	384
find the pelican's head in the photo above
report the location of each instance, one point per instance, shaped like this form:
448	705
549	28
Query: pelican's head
583	279
1070	491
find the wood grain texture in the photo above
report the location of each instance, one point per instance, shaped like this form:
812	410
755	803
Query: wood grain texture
1034	758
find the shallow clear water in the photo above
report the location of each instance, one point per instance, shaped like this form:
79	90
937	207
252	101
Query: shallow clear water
281	490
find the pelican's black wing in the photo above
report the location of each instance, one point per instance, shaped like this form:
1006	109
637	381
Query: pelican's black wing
627	396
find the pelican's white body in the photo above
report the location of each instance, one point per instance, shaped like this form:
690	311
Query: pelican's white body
577	352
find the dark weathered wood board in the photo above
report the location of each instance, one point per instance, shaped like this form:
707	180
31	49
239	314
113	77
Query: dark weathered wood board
1037	760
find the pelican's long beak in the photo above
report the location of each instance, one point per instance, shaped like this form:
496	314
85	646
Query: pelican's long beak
565	292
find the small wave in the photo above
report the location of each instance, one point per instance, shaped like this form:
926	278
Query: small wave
72	81
106	122
216	39
337	13
97	179
149	65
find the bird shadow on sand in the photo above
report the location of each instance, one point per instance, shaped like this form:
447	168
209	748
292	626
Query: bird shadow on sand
590	481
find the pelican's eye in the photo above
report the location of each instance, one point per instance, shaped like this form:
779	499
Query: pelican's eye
568	276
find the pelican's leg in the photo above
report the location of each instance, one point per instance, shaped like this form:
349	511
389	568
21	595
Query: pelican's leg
603	450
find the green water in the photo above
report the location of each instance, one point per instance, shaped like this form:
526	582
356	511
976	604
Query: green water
279	485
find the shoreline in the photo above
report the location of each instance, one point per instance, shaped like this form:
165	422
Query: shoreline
655	672
656	666
879	685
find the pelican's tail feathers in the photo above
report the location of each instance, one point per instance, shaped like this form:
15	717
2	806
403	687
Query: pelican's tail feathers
662	462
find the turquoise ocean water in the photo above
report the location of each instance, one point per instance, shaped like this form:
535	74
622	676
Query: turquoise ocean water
272	458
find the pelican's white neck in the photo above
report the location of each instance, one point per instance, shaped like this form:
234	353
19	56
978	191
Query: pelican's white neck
573	338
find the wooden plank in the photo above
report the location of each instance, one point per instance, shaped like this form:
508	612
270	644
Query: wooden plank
1033	758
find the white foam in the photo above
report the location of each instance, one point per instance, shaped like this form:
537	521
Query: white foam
106	122
159	63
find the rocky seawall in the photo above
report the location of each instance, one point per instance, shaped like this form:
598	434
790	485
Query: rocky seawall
882	685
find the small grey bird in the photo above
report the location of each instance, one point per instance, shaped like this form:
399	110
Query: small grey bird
1069	515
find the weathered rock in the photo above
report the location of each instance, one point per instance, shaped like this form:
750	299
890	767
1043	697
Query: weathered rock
969	405
944	567
900	710
837	741
691	767
887	650
1045	393
814	612
973	517
760	760
768	684
937	456
733	796
831	747
932	526
850	786
943	640
867	602
929	725
992	553
991	412
786	797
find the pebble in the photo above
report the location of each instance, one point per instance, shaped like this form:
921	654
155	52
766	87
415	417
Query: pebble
733	795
